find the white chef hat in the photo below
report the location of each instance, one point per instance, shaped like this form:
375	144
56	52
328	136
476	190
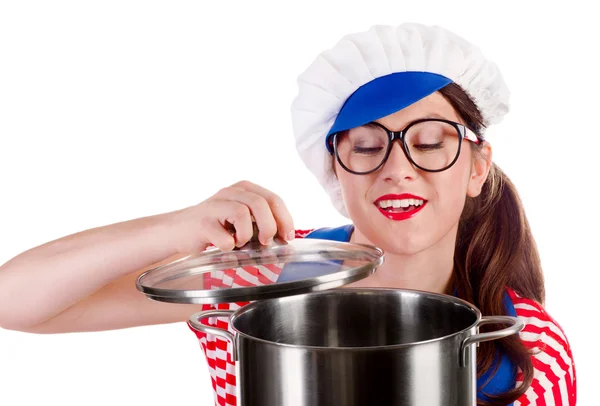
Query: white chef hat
371	74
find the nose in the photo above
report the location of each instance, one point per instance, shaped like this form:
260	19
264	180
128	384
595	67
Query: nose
398	167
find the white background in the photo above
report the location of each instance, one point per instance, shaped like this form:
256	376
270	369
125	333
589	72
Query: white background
113	110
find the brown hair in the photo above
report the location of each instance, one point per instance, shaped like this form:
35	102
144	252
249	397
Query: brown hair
494	250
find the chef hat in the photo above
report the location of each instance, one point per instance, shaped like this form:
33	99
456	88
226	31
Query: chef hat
371	74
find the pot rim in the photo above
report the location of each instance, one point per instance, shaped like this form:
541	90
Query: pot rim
249	307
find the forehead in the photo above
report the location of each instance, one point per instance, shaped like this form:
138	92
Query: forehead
432	106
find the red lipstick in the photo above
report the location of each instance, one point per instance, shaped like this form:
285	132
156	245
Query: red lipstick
400	214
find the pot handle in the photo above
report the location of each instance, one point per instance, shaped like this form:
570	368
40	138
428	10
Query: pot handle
194	322
516	326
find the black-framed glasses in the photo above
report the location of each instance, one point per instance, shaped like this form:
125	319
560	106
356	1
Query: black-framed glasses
430	144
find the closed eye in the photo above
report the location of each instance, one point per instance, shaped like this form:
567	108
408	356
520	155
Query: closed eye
367	151
429	147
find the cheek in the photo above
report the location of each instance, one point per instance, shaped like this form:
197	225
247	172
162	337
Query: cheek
451	189
354	189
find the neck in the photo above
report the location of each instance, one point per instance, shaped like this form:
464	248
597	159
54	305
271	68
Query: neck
429	270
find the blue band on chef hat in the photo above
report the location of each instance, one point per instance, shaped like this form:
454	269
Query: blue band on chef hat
384	96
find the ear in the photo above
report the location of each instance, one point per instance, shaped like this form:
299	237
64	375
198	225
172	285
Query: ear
479	170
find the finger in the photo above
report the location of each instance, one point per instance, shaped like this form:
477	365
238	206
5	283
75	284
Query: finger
217	235
238	214
283	218
258	208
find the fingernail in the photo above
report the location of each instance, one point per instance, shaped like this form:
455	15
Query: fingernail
291	235
265	242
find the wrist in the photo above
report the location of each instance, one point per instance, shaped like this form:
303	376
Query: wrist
168	227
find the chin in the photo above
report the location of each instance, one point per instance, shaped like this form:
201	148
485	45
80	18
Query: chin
395	243
402	248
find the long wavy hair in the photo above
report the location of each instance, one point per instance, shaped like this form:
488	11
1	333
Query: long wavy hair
494	250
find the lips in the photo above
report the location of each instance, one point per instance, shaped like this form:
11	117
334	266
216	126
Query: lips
400	207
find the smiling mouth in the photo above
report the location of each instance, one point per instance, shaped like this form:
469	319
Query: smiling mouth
400	207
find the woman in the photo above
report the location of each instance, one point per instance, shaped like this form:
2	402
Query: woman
391	122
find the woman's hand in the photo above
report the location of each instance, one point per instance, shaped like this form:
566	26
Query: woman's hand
196	227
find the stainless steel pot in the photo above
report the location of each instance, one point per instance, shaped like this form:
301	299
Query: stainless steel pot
355	347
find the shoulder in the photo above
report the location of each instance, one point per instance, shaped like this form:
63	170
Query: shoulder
554	369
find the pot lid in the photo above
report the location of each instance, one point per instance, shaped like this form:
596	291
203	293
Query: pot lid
257	271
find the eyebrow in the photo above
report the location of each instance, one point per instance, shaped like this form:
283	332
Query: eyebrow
430	115
435	115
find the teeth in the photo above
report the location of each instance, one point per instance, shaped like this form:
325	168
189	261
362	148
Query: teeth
384	204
